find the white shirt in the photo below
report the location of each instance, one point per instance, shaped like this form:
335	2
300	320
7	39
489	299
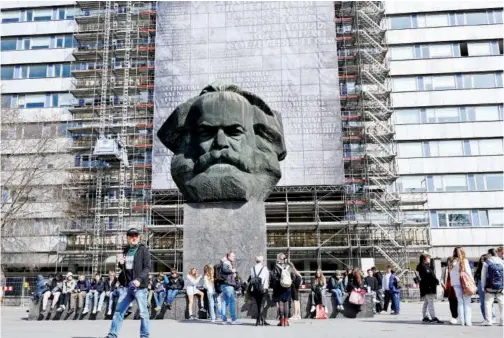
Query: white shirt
484	270
385	281
455	271
264	274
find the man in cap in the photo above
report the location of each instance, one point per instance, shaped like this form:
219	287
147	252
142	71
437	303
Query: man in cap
135	265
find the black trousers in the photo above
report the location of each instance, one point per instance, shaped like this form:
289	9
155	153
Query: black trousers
452	299
379	300
388	298
259	299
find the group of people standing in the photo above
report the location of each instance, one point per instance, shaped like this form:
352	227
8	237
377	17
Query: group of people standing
460	285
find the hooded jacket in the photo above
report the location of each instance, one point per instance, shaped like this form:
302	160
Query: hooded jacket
428	280
141	267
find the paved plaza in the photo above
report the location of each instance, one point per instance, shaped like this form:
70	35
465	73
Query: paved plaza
408	325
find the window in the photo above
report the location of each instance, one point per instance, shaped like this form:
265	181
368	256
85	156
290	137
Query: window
411	184
40	42
407	116
42	14
7	73
440	50
436	20
442	115
65	100
486	147
445	148
495	217
411	149
455	183
9	44
480	48
404	84
400	22
483	81
483	113
402	53
476	18
35	101
10	16
38	72
454	218
442	82
486	182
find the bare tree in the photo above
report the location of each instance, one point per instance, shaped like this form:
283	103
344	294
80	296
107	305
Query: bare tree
31	178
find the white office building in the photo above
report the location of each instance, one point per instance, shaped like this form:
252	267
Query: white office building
36	56
446	67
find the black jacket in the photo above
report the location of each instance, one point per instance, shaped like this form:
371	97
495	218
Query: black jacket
141	267
108	286
175	283
379	277
428	280
372	282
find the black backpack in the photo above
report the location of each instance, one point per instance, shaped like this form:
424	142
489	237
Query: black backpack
218	280
256	284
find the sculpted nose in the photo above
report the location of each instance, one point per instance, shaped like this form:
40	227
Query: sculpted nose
221	141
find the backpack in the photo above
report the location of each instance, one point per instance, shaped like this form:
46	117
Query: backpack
285	277
256	284
218	280
494	277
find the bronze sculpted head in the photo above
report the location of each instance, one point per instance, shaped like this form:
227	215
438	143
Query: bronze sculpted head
227	145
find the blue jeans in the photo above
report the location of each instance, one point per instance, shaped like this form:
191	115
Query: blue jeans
464	306
481	294
158	297
228	298
113	294
339	296
170	296
126	296
396	301
212	300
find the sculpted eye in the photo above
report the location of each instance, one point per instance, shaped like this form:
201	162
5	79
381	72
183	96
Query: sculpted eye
235	131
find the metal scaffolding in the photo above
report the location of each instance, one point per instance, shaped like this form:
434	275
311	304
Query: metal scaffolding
319	226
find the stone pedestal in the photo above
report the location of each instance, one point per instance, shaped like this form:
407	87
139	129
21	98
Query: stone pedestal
213	229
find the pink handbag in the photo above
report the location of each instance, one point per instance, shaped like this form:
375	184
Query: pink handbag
357	296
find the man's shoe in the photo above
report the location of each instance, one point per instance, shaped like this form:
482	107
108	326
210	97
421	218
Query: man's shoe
426	320
168	306
395	313
235	322
435	320
265	323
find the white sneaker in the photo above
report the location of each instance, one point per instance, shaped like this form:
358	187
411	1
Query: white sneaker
109	312
486	323
235	322
454	321
312	309
85	311
94	311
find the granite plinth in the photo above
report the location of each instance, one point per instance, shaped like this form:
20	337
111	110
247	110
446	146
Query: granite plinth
179	310
213	229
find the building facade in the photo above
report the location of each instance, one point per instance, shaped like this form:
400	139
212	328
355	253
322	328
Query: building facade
439	65
446	71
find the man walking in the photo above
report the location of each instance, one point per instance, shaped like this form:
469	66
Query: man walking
492	279
258	288
228	273
135	265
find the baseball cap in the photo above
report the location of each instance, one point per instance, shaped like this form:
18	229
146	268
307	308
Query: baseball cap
132	232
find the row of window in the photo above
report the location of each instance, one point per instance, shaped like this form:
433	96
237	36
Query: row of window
45	100
450	183
36	71
38	42
28	131
448	114
446	19
466	218
39	14
446	50
475	147
446	82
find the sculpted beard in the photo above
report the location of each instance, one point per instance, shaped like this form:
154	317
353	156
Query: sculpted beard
206	160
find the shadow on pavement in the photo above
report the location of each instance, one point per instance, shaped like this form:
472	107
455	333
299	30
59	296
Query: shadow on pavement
417	322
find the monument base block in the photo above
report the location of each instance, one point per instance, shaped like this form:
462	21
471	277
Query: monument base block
213	229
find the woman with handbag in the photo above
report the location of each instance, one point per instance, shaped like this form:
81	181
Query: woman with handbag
428	288
463	282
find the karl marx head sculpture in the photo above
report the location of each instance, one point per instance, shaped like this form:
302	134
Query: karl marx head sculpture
227	145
